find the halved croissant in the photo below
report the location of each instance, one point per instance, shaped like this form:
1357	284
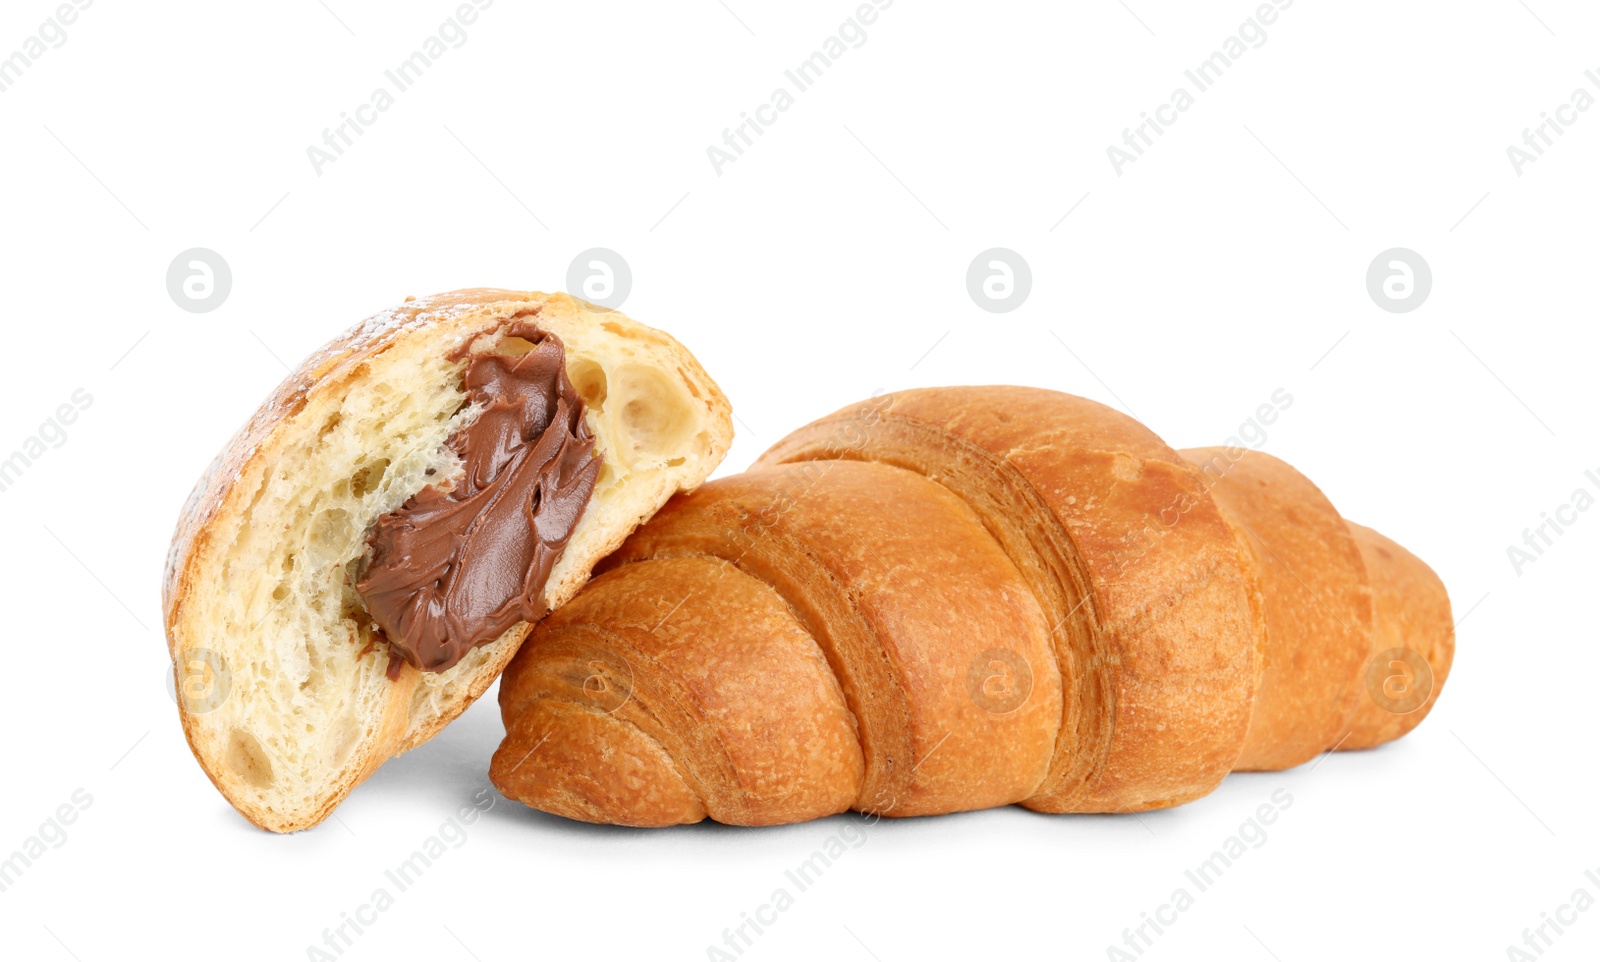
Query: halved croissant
292	690
951	599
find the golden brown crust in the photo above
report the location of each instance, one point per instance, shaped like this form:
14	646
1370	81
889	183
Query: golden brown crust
687	659
1128	558
1413	612
1316	605
1202	618
870	559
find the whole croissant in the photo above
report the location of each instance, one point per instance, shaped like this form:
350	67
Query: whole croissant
951	599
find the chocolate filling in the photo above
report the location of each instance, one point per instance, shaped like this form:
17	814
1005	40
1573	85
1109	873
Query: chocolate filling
457	565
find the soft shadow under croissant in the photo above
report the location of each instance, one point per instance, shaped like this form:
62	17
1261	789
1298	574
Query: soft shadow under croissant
951	599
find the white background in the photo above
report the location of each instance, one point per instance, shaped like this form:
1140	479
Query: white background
826	263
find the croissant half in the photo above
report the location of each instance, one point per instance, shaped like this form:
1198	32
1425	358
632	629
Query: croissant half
951	599
545	427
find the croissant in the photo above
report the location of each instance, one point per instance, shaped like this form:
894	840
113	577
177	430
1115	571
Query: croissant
950	599
365	556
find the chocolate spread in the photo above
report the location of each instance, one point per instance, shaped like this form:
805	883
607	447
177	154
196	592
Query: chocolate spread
460	563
